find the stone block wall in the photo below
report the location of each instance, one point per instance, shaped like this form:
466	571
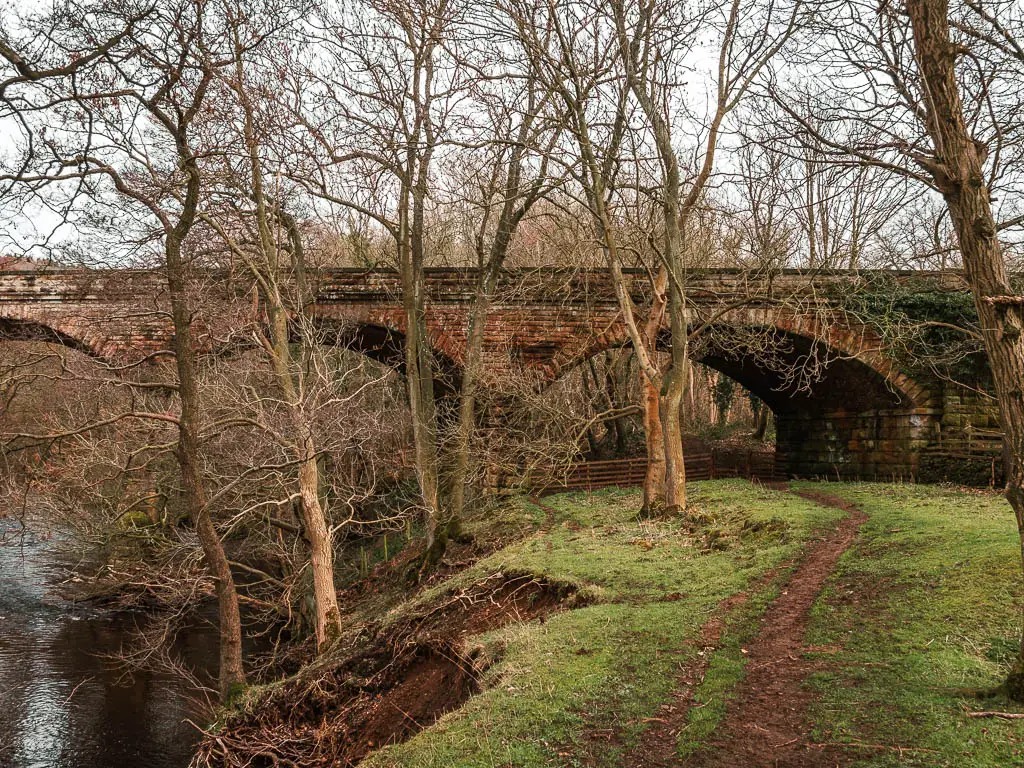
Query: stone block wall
874	444
965	410
967	448
957	440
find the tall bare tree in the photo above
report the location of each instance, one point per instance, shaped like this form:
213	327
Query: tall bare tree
932	92
129	127
401	94
262	235
615	75
574	51
508	190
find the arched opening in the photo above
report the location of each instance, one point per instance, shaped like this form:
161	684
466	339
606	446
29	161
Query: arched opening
13	329
49	384
385	345
719	409
377	342
836	415
840	409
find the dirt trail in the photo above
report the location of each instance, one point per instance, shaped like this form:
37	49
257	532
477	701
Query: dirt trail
765	724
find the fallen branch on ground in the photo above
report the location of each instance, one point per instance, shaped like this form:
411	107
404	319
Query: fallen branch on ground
1001	715
891	747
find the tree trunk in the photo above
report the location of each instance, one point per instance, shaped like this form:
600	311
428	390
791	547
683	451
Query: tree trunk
761	425
420	383
424	422
654	480
673	390
467	410
290	381
958	171
321	545
655	495
231	675
303	447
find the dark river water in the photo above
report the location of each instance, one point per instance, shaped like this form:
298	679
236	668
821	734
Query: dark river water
62	703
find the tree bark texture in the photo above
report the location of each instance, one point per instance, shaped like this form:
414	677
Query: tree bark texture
231	676
957	168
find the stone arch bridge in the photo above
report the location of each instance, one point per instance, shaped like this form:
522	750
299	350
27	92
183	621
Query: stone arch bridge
843	406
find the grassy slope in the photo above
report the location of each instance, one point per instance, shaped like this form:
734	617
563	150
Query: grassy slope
575	689
920	610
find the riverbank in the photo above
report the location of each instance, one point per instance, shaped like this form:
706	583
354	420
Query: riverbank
595	636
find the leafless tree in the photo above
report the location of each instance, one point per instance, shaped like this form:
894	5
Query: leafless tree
932	92
649	47
412	94
247	210
128	115
615	75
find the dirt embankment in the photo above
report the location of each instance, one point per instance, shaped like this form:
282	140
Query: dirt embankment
396	679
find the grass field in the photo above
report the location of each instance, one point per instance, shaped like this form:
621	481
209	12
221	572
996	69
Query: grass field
919	615
920	610
575	689
899	625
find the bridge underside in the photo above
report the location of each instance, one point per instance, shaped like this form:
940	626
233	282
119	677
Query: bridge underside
834	417
23	330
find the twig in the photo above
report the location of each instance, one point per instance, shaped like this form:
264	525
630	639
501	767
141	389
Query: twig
1001	715
75	689
874	746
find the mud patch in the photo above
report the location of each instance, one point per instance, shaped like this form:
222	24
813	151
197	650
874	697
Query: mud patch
395	679
414	691
766	724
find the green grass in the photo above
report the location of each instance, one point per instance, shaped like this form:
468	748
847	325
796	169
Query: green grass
923	610
575	689
919	613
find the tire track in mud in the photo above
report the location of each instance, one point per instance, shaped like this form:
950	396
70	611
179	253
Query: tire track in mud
765	724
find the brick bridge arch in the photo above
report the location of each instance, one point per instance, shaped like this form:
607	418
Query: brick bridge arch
862	417
25	326
855	413
845	339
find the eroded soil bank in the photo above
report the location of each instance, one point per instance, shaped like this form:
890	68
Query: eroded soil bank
398	678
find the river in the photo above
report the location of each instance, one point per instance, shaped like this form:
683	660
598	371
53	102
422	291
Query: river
63	704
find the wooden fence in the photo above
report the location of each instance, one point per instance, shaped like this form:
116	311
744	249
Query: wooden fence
703	465
970	443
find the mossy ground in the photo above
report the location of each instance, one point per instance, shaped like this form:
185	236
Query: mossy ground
922	612
576	689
